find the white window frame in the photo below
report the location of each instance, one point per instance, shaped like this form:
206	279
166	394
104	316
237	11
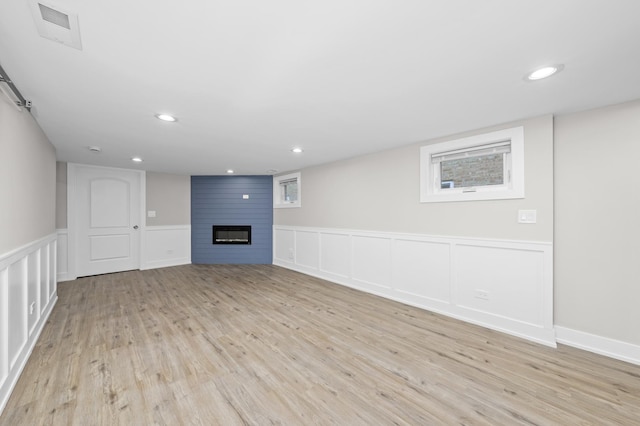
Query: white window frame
430	187
278	197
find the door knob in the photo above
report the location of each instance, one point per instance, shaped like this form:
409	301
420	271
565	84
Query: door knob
135	226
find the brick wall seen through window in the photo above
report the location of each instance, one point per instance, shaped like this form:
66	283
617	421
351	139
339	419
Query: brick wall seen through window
471	172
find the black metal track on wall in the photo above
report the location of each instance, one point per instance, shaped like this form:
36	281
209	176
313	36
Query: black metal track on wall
5	78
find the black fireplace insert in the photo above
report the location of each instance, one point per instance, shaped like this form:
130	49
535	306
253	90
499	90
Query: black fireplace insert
231	234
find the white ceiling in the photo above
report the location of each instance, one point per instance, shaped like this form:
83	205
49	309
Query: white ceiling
250	79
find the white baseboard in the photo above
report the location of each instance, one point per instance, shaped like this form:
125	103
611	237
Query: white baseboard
612	348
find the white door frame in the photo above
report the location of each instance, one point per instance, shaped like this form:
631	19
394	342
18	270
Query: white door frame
72	220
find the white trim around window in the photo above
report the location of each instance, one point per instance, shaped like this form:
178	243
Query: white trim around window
287	191
508	143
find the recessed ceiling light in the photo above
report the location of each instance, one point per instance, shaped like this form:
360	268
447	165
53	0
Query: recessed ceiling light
136	160
544	72
166	117
272	171
230	171
296	150
94	148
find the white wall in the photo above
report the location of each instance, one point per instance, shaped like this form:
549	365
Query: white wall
597	231
27	179
381	192
61	195
165	238
169	196
27	239
361	224
587	194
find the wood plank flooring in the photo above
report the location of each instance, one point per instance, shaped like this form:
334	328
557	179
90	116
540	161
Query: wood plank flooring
256	345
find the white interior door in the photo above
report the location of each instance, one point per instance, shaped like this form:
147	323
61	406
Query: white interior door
107	220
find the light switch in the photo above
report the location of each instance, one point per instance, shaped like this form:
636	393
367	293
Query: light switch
527	216
151	213
245	196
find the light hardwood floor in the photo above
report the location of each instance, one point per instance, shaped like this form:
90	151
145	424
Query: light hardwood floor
253	345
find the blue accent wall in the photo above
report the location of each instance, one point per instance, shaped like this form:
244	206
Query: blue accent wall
217	200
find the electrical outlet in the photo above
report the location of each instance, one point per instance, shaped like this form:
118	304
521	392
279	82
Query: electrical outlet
291	253
482	294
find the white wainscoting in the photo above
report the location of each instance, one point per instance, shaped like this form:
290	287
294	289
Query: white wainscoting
164	246
161	246
63	256
28	292
502	285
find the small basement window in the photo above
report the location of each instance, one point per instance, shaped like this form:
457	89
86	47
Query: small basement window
287	191
482	167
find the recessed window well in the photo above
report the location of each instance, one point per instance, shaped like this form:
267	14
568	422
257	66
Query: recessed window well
166	117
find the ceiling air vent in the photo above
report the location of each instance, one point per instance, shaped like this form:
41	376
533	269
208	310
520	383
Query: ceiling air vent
56	24
54	16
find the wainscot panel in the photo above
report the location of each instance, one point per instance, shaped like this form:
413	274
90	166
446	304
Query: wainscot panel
420	279
307	249
335	254
164	246
27	296
502	285
63	256
372	260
